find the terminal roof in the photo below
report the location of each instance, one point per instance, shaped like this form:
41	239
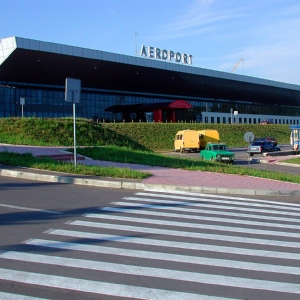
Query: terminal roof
38	62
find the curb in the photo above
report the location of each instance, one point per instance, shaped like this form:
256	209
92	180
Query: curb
141	186
287	164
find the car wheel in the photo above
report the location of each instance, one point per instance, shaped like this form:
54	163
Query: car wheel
251	154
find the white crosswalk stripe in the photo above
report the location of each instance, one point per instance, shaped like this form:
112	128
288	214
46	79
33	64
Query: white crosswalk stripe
215	237
9	296
196	260
203	204
93	286
191	217
181	209
156	272
208	240
194	225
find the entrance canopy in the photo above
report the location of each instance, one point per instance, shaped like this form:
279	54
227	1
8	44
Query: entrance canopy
156	108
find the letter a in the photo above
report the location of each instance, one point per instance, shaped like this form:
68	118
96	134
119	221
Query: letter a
143	51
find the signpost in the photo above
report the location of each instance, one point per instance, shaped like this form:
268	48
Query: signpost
235	113
249	137
22	103
72	94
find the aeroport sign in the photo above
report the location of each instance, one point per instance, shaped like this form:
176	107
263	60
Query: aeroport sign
162	54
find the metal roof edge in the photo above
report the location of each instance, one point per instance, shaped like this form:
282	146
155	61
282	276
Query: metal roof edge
7	46
57	48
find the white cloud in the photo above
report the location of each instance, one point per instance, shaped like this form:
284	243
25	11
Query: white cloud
264	33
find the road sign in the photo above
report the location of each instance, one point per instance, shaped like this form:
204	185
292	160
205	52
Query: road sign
22	101
249	137
72	90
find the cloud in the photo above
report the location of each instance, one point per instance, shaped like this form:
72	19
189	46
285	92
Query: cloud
264	33
198	18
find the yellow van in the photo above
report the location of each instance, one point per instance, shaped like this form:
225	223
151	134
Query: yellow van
208	136
186	140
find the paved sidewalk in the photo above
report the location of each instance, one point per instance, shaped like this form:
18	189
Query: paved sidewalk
163	178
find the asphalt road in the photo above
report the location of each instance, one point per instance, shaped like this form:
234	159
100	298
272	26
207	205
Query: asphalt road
242	159
61	241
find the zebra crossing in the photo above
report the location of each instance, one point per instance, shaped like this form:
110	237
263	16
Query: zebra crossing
167	245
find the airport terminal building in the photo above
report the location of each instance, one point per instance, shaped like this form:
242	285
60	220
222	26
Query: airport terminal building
157	85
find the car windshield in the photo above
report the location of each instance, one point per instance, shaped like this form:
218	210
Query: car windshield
219	147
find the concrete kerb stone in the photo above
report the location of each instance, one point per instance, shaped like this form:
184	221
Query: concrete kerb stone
133	185
287	164
141	186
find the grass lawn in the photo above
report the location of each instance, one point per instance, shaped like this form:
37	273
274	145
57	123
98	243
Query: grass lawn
126	155
27	160
295	160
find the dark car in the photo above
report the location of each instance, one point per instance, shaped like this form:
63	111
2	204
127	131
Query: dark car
267	121
260	147
266	139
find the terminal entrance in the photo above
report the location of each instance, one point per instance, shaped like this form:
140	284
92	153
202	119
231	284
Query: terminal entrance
157	112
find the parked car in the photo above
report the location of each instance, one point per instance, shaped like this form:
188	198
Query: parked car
266	139
217	152
267	121
260	147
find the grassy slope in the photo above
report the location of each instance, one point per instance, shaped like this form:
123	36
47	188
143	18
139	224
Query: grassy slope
141	136
136	136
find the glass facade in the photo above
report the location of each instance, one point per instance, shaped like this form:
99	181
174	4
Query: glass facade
47	101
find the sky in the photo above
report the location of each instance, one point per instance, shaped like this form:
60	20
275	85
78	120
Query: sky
258	38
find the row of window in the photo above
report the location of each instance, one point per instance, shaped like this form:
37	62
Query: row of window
48	101
227	118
